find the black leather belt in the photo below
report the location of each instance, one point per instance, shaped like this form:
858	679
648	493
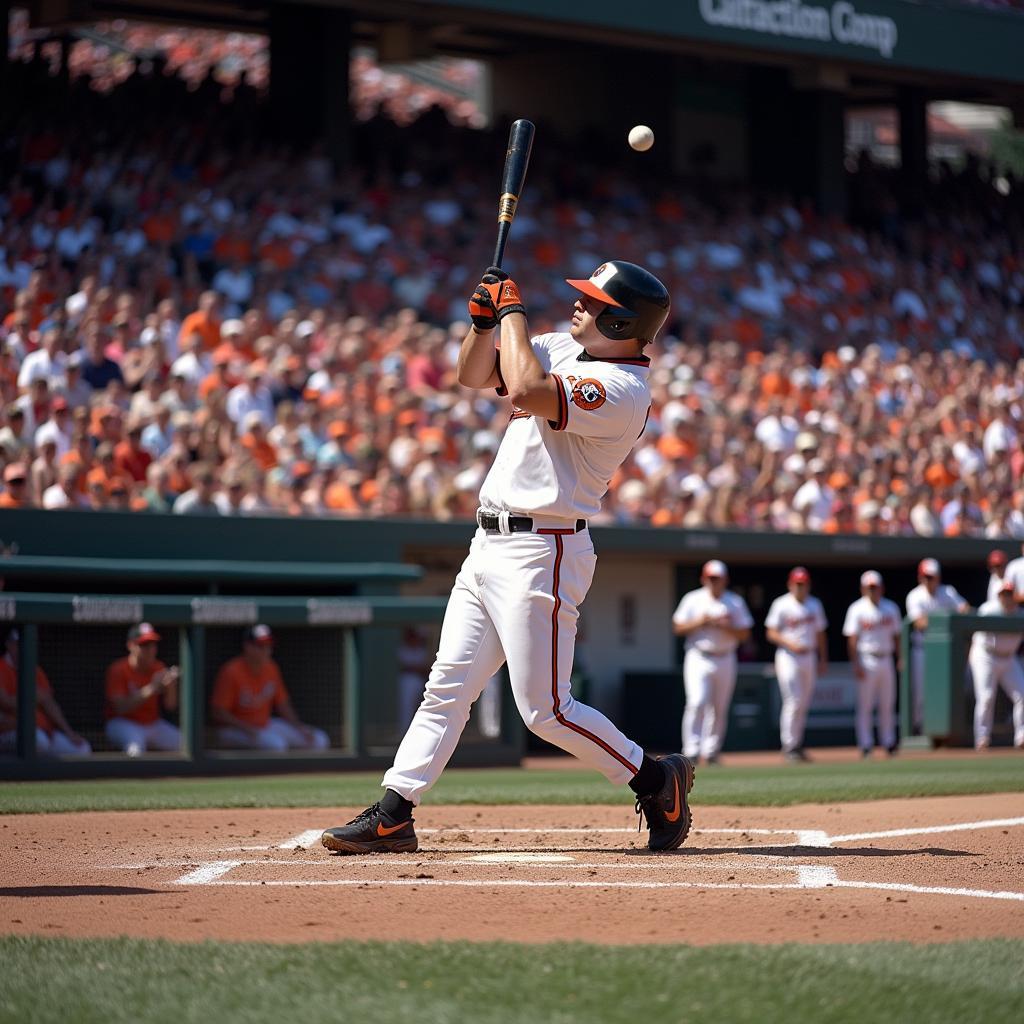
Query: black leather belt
516	524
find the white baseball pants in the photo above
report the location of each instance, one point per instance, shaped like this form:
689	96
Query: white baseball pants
135	739
989	671
876	688
276	736
797	674
709	681
515	599
48	744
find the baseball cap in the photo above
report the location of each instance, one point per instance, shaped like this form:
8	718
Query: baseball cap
231	327
799	575
259	634
871	578
143	633
714	568
996	557
14	472
1006	587
60	402
817	466
928	567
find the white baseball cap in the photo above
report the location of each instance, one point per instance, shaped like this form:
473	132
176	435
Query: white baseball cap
714	568
871	578
929	567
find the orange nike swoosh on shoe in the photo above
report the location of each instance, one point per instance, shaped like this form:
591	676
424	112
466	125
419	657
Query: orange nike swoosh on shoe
672	815
382	831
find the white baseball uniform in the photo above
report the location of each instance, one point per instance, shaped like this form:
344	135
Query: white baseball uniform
1014	572
994	583
516	597
799	623
993	660
709	667
921	602
877	629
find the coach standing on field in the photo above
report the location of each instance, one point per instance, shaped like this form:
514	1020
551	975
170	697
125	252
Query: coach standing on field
796	624
715	621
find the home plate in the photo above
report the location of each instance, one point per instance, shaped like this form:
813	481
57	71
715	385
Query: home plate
532	858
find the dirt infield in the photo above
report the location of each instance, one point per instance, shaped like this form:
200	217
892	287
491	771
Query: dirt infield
922	870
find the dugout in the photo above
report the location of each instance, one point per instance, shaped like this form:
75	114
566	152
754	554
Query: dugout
624	631
318	641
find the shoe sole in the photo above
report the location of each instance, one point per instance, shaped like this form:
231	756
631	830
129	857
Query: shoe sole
409	844
688	770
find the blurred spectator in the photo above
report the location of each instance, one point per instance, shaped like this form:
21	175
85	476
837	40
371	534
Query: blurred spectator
198	500
250	704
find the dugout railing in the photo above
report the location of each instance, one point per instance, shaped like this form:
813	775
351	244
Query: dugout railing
948	718
323	645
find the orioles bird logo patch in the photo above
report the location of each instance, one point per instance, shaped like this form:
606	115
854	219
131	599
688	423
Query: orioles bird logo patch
589	394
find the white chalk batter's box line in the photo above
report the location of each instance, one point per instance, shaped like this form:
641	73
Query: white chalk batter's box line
808	876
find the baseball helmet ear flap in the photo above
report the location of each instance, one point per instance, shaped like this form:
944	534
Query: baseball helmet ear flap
637	303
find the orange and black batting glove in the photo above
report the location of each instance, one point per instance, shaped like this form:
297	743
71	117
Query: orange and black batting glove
498	295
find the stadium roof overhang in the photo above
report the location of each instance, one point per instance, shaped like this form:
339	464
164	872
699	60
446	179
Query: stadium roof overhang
864	48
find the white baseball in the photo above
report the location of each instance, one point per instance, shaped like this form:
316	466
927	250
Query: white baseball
641	138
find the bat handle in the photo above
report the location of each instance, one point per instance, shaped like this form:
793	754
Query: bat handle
499	249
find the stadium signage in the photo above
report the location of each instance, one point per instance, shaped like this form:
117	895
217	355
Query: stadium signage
105	609
211	611
337	613
840	23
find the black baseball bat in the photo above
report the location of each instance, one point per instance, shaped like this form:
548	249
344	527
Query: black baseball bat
517	158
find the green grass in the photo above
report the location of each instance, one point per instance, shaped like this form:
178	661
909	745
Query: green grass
121	980
778	786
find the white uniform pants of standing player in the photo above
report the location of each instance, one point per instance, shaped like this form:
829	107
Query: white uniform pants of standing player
709	681
876	688
990	671
276	736
515	599
797	675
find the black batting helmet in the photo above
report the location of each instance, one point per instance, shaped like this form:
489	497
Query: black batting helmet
637	302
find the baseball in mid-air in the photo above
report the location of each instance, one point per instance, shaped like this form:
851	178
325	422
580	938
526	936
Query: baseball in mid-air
641	138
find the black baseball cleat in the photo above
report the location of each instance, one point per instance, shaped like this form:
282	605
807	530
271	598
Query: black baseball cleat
667	811
372	831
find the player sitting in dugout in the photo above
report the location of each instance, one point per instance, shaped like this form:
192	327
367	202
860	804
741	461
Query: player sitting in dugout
250	705
53	734
140	689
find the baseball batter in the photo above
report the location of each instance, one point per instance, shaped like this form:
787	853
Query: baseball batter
579	403
796	624
872	630
930	595
715	621
993	660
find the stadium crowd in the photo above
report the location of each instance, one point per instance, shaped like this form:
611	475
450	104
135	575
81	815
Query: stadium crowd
191	322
